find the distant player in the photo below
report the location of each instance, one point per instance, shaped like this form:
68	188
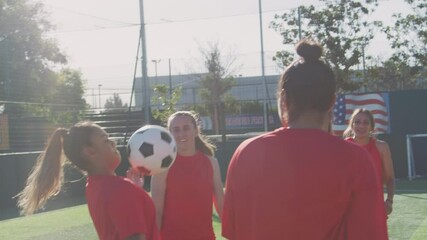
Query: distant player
360	130
300	182
119	209
185	194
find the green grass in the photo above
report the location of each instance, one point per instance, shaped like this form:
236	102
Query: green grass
68	223
72	223
407	222
409	217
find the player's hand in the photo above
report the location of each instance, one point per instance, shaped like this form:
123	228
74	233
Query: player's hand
135	176
388	206
143	171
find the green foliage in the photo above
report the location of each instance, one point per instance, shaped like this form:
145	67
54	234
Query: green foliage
115	104
26	52
201	109
28	59
251	107
393	75
408	35
342	27
65	102
166	103
406	68
231	105
216	83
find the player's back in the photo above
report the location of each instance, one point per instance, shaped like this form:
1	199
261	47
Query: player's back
295	184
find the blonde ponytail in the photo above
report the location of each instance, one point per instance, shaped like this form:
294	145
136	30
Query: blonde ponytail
46	177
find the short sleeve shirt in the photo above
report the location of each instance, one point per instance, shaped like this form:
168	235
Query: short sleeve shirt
301	184
120	209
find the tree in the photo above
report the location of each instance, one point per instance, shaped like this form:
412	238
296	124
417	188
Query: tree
408	34
340	26
115	104
251	107
216	83
391	75
166	104
406	68
27	55
65	102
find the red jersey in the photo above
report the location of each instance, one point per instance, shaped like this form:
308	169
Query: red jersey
371	147
302	184
187	213
119	208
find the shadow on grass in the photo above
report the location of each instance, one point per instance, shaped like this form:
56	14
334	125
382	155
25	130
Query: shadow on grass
412	196
215	218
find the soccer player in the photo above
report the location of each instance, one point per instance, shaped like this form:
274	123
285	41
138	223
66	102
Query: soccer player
119	209
359	130
300	182
185	194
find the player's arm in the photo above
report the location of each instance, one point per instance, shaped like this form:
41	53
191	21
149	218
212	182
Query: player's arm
158	192
137	237
388	174
217	187
228	213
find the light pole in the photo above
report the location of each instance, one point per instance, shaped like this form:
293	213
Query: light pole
155	61
262	69
145	80
170	81
93	99
99	95
299	22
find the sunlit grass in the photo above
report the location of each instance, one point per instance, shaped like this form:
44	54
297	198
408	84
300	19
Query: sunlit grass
67	223
407	222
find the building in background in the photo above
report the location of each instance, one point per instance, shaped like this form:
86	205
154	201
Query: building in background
245	89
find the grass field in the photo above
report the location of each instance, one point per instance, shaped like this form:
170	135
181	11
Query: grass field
407	222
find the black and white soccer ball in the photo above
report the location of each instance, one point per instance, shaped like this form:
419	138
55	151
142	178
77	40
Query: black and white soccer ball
152	147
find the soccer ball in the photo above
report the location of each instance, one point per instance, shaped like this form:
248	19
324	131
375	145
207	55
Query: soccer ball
153	148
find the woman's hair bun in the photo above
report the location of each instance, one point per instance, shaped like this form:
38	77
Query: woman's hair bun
309	50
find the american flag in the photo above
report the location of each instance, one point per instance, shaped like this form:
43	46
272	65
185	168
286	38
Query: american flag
377	103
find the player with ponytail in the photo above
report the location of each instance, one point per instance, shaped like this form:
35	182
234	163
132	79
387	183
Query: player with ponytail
184	195
119	209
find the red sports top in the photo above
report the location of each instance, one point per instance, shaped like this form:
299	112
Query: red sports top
302	184
187	213
371	147
120	209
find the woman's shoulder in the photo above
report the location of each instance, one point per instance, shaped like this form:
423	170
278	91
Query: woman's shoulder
381	145
209	158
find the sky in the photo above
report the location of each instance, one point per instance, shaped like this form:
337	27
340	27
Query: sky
100	37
